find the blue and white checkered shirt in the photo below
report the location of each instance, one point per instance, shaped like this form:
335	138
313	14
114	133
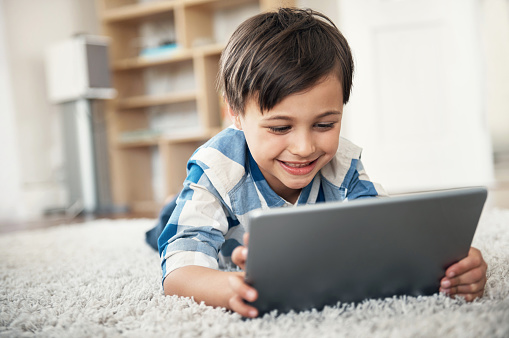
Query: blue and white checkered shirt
224	183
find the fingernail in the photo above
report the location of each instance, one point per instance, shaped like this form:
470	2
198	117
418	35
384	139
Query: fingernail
251	295
446	283
451	274
253	313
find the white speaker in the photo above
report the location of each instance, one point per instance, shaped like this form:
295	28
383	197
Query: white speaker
78	79
78	68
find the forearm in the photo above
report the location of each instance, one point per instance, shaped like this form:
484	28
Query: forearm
204	284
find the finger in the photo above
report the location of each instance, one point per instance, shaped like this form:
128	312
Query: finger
473	276
464	289
242	289
473	260
237	304
239	256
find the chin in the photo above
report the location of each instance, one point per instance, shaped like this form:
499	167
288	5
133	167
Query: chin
298	185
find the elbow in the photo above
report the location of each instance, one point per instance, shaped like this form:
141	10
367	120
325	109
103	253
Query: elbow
176	282
168	286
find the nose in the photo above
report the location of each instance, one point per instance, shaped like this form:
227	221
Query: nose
302	144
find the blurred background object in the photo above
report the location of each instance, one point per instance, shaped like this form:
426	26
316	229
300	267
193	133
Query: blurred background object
32	174
417	107
431	73
77	76
430	103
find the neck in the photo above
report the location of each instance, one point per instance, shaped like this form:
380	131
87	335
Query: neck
292	196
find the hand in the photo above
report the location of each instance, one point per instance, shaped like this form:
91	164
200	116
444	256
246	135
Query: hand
242	290
466	278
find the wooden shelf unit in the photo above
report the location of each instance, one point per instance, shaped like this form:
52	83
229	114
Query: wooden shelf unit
132	159
133	11
144	101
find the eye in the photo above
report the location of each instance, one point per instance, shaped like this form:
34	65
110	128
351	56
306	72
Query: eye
325	126
279	130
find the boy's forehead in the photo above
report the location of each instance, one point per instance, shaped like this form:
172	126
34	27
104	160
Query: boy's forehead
252	106
333	96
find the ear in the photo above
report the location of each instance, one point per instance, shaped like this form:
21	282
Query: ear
234	117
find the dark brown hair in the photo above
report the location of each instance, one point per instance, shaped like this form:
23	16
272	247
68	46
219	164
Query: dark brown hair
276	54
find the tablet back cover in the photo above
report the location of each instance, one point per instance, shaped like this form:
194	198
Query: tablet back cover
311	256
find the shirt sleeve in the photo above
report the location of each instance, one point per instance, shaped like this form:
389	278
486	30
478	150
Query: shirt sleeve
360	185
196	229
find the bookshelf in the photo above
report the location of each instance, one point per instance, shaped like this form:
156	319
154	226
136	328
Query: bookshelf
164	58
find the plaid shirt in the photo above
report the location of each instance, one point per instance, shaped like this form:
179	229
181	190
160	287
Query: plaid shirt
224	183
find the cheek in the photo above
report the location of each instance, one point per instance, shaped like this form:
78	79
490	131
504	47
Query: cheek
330	145
333	146
270	146
264	147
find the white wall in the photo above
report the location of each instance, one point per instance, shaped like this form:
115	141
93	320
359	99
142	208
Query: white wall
495	35
28	27
10	178
327	7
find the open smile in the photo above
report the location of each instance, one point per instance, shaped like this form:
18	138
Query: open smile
298	168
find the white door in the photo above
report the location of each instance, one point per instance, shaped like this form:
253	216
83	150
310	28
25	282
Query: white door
417	101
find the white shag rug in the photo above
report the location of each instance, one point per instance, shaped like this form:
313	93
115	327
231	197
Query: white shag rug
100	279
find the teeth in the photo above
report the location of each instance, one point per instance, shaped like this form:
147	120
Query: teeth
297	165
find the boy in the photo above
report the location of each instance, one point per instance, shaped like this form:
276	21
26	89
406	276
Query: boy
286	76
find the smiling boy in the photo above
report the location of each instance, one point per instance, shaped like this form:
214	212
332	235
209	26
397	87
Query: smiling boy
293	141
286	76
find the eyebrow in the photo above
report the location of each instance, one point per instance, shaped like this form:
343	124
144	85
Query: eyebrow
289	118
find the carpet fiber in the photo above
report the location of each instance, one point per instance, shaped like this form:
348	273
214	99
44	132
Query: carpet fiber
101	279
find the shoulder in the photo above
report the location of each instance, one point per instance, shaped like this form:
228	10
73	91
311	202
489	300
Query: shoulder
348	149
230	143
222	159
346	172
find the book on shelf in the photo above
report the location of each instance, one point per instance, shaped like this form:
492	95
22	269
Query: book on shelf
163	51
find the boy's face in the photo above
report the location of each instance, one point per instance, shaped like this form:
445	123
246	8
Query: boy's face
294	140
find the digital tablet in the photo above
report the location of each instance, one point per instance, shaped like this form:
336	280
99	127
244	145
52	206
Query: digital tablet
315	255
